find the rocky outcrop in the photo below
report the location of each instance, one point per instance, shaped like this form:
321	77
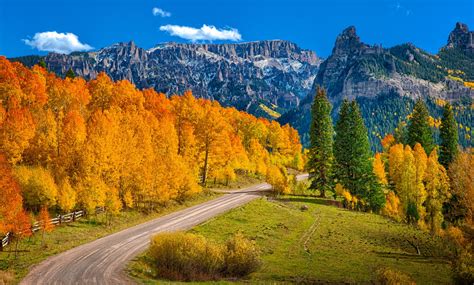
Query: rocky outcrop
461	37
244	75
355	69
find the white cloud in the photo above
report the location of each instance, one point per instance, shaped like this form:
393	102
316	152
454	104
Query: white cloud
205	33
57	42
160	12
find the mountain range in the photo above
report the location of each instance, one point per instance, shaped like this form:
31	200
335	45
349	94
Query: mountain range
277	79
264	78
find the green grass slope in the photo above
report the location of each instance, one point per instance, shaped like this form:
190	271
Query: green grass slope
323	244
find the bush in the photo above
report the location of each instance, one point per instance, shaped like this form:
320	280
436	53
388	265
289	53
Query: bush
242	256
187	257
182	256
387	276
6	278
463	267
460	251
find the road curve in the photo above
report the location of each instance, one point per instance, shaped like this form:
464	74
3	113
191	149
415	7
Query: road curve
103	261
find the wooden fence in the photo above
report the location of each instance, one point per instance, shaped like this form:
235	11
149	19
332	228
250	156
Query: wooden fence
60	219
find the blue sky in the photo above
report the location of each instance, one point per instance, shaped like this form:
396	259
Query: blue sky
314	25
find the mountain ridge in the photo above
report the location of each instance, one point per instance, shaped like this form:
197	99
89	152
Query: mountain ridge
395	76
275	73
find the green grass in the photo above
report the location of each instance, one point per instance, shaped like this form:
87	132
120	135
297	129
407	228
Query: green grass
342	246
74	234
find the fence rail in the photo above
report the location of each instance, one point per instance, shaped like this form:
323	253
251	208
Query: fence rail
60	219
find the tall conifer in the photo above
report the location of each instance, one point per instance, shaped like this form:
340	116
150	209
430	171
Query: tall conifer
353	156
448	133
321	152
419	130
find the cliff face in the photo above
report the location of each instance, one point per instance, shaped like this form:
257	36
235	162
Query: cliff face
274	73
355	69
405	73
461	38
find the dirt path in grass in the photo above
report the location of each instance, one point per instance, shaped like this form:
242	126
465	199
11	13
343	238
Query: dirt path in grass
103	261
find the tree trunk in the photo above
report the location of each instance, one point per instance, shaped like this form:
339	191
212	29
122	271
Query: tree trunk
204	170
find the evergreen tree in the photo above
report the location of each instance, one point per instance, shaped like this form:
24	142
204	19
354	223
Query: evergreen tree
401	133
321	152
360	155
342	144
448	133
353	156
70	74
42	63
419	130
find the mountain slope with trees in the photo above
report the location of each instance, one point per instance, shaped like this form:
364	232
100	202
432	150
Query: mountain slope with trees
386	82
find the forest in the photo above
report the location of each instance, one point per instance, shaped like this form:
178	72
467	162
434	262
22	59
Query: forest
69	144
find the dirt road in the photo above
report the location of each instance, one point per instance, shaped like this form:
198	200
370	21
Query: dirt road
103	261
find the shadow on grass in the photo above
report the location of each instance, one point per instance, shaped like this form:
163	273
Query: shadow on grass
412	257
309	200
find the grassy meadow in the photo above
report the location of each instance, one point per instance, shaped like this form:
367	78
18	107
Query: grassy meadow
323	244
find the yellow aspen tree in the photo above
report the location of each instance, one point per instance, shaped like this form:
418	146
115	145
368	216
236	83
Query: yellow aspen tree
396	157
437	190
278	179
112	204
101	92
392	206
461	174
42	148
420	194
45	222
38	187
379	169
66	196
407	188
209	129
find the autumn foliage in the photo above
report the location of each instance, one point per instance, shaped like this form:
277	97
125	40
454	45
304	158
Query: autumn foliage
69	143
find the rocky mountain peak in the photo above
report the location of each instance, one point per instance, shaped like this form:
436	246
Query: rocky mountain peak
347	41
461	37
273	73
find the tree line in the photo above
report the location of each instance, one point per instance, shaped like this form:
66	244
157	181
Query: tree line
66	143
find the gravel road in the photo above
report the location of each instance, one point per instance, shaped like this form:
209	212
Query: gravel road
103	261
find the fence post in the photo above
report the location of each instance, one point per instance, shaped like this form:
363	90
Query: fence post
73	216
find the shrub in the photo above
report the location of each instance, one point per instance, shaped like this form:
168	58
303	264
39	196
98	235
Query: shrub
6	278
242	256
462	259
463	266
300	187
185	256
387	276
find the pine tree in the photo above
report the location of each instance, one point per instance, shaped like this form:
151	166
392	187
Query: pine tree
321	152
448	133
419	130
70	73
42	63
353	156
342	145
